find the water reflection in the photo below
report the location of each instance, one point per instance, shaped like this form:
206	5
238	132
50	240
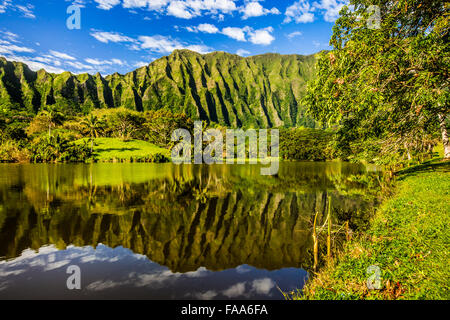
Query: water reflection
118	273
196	231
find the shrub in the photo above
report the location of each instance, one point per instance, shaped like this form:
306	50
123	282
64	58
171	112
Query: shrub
10	151
306	144
159	158
58	149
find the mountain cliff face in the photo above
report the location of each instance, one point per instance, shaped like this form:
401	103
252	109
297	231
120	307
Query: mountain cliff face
259	91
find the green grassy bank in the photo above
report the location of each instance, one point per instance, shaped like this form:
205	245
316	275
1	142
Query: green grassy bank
112	149
408	239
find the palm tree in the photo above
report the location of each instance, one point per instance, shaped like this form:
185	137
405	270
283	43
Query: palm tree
93	125
54	117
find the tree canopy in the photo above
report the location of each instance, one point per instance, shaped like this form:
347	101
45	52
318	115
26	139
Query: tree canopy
386	87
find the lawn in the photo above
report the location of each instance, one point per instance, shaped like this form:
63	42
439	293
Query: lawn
408	240
110	149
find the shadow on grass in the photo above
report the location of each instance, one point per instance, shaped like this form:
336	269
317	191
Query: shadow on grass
432	166
116	149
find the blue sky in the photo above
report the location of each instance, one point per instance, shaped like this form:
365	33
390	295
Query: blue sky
121	35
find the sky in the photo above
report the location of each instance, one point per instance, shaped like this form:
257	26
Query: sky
122	35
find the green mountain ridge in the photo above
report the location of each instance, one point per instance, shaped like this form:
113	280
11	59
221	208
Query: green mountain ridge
258	91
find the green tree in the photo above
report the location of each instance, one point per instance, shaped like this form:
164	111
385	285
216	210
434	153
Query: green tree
160	125
124	123
93	126
54	117
57	148
386	87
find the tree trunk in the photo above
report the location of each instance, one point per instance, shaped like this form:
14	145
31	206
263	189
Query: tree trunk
407	151
445	140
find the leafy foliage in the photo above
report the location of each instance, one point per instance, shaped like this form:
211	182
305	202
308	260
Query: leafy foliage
306	144
57	148
387	88
160	124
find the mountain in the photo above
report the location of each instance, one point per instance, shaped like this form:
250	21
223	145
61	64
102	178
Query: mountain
260	91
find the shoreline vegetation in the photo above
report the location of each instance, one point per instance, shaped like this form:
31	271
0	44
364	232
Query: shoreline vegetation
54	135
407	239
385	88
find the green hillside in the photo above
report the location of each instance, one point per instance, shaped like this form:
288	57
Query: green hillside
259	91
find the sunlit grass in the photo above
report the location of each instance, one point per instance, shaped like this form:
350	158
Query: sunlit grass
408	240
109	149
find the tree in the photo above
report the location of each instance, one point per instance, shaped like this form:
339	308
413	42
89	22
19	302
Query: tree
56	148
160	125
54	117
93	125
386	87
123	123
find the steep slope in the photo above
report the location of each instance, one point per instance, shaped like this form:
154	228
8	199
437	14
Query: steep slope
260	91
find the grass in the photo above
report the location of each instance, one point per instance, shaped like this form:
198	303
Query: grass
108	149
408	239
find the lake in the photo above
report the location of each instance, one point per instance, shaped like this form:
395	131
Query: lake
163	231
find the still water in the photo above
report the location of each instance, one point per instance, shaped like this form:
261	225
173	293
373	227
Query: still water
162	231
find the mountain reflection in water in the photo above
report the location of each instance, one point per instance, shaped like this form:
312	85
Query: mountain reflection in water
158	231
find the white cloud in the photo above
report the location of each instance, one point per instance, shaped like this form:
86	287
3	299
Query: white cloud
6	47
80	3
149	4
331	8
242	52
235	33
200	48
301	12
48	59
140	64
183	9
263	286
255	9
106	37
294	34
104	285
235	290
9	36
34	65
97	62
204	27
4	5
78	65
180	9
118	62
107	4
208	295
61	55
25	10
207	28
163	44
156	43
262	36
159	43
